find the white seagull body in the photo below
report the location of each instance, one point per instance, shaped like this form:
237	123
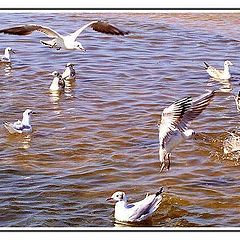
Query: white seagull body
59	41
232	143
6	58
138	211
58	83
69	74
219	74
173	127
237	100
23	126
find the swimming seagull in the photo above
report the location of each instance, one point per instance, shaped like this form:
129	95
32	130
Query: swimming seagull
58	83
69	73
232	143
6	58
23	126
138	211
173	127
219	74
59	41
237	100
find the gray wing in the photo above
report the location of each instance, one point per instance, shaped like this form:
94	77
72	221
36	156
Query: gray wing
100	26
13	127
145	207
28	29
198	105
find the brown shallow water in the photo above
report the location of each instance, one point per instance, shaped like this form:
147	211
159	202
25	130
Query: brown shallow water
101	135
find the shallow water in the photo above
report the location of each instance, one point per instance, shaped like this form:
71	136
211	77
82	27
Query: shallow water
101	135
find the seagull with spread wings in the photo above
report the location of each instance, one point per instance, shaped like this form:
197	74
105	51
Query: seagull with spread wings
173	127
59	41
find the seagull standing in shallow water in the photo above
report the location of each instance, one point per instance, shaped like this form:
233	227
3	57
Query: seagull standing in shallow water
219	74
59	41
6	58
23	126
69	73
58	83
173	128
138	211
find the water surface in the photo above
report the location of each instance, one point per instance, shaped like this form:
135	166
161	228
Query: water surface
101	135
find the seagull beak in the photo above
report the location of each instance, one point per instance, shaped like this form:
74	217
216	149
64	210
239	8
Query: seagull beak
83	49
13	51
109	199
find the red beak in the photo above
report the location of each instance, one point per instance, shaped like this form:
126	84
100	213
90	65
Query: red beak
109	199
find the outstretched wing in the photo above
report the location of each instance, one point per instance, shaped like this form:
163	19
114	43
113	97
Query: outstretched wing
100	26
28	29
198	105
172	116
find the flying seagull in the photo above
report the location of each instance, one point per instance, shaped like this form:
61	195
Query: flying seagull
23	126
59	41
138	211
6	58
58	83
173	127
69	73
219	74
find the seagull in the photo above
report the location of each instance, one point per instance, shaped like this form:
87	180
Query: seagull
232	143
23	126
69	73
219	74
58	83
59	41
237	100
138	211
173	127
6	58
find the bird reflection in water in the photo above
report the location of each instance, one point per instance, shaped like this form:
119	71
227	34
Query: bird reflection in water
226	85
7	68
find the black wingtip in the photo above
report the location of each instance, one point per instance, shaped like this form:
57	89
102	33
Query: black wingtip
206	65
159	192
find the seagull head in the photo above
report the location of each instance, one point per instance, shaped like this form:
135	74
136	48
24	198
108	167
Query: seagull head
78	46
228	63
69	65
118	196
56	74
27	113
10	50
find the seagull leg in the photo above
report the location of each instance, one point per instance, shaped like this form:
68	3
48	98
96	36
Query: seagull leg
162	165
169	163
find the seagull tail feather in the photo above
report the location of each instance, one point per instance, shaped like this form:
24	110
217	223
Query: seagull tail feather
206	65
159	192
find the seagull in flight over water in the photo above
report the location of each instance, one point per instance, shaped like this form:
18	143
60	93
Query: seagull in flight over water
59	41
23	126
138	211
173	127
